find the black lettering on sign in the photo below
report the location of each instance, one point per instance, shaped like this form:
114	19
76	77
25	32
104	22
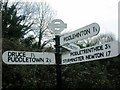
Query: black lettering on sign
87	50
30	59
10	54
77	35
89	56
41	59
9	59
94	56
48	60
94	29
16	54
80	58
107	46
87	31
18	59
108	53
32	55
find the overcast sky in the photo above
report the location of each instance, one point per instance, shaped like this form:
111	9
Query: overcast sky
79	13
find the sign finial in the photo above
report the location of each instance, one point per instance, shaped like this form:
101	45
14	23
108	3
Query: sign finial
57	26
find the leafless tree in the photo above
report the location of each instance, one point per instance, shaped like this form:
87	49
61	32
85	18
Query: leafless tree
42	14
45	15
100	39
103	38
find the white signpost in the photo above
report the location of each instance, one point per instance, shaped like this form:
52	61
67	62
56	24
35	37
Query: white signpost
79	34
71	46
22	57
75	55
57	25
96	52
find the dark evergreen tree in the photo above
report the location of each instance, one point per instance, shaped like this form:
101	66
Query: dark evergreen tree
13	25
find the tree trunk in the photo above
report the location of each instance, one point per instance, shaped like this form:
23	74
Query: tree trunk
40	39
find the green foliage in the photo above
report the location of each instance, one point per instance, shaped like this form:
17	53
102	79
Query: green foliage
28	41
11	44
13	25
95	74
38	77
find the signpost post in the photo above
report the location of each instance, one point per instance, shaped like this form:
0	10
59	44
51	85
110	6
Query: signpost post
57	26
58	62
